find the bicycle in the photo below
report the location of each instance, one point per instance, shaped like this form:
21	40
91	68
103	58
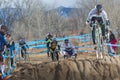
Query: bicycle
54	54
99	47
26	57
25	54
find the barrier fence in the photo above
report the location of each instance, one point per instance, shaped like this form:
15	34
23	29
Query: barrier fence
38	44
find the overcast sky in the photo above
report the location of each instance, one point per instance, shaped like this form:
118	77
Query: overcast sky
50	3
56	3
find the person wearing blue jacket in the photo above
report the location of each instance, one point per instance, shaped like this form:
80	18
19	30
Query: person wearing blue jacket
2	40
3	43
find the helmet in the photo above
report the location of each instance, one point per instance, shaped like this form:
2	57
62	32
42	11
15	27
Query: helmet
99	7
54	39
49	34
66	40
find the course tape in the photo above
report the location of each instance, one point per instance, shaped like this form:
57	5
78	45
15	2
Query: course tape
85	46
112	44
34	44
38	46
83	38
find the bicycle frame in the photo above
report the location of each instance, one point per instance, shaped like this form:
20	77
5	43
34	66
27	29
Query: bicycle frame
98	39
25	54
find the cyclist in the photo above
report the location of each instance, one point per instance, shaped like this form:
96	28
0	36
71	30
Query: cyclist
23	46
54	46
48	40
67	49
101	16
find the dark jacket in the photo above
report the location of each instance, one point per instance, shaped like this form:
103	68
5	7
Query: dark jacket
2	41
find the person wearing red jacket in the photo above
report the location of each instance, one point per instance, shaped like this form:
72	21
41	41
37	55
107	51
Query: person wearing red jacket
112	41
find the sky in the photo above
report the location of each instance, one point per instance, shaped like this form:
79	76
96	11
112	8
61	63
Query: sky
50	3
57	3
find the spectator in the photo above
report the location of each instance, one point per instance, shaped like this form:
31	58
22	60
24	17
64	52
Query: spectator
112	40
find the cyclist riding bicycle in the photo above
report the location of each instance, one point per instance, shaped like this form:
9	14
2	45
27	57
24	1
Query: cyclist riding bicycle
67	49
48	40
101	16
54	48
24	46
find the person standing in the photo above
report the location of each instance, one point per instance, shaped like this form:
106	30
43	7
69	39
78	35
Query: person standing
112	41
3	44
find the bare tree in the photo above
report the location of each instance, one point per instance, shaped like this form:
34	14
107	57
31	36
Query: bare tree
31	19
8	14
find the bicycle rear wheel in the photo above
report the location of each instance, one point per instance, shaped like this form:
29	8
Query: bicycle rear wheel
54	56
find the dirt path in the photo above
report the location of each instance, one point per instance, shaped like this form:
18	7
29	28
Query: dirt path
41	58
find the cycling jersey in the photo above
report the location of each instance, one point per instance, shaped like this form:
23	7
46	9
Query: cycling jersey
103	14
65	46
54	45
48	41
69	45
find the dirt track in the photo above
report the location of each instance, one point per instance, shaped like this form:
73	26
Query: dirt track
40	58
